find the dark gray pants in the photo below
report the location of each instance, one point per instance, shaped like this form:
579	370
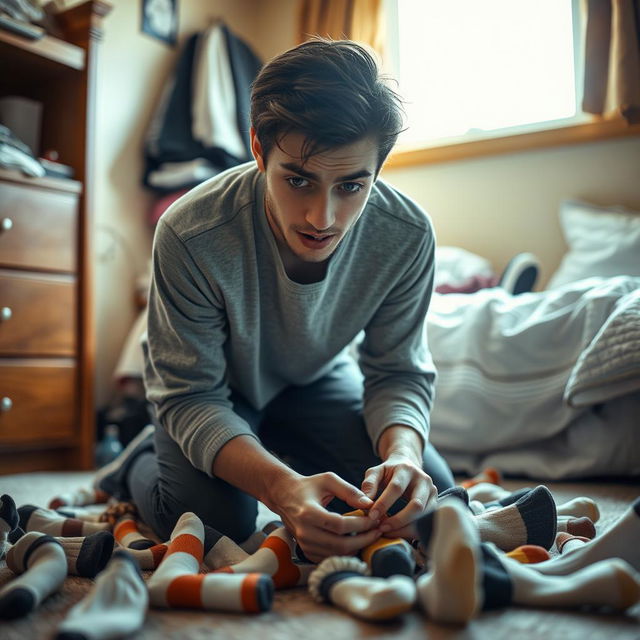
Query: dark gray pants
314	429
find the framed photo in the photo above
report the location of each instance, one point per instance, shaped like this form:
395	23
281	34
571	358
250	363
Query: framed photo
160	19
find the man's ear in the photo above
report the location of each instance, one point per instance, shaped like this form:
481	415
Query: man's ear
256	150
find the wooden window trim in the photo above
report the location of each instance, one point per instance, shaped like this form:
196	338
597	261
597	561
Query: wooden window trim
596	129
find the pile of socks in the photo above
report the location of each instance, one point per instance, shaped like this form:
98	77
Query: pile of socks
481	547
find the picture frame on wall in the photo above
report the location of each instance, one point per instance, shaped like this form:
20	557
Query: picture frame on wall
160	19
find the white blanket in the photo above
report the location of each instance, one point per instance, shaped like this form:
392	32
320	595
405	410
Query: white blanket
514	374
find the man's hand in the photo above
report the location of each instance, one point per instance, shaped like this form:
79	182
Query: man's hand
300	501
399	475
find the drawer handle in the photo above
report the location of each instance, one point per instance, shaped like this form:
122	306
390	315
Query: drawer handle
7	224
6	313
6	404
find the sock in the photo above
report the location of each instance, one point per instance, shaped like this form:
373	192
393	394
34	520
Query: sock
9	520
576	526
220	550
388	557
458	492
79	498
529	554
343	582
127	534
275	558
91	513
579	508
476	507
509	498
86	556
619	541
451	591
609	583
490	475
41	567
565	542
530	520
46	521
115	606
112	478
176	583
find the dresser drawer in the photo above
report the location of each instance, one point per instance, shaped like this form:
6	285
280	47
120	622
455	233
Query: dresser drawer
38	227
37	314
37	401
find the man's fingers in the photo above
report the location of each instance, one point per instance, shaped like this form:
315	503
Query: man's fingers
343	525
323	544
371	481
346	492
395	488
420	500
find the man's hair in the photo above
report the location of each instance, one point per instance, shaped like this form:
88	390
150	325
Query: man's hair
331	92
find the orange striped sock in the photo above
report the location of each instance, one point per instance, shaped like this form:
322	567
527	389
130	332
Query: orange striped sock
529	554
275	558
490	475
79	498
127	534
177	583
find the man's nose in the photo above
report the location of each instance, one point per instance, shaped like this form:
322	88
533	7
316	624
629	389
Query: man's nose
321	214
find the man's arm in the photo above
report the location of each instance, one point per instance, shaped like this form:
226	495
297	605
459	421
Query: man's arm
299	500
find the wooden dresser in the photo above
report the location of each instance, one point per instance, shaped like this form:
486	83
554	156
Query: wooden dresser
47	418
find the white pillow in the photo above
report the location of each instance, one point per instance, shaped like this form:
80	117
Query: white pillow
603	242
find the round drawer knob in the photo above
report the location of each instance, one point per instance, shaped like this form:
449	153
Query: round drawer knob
6	404
6	313
7	223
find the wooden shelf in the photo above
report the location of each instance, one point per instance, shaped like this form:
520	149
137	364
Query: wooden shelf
46	182
48	47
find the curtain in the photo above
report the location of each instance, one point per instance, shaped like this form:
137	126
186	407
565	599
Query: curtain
359	20
612	59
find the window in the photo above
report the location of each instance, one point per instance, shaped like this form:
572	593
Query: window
476	69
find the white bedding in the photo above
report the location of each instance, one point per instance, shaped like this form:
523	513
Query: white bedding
521	379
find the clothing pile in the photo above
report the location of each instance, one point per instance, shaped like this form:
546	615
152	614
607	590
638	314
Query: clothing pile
479	548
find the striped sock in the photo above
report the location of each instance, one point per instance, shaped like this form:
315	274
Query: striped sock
86	556
177	584
115	606
565	542
275	558
127	534
529	554
9	520
388	557
531	519
90	513
40	564
343	582
79	498
47	521
451	591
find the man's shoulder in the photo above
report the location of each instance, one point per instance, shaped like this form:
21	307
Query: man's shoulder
214	203
397	210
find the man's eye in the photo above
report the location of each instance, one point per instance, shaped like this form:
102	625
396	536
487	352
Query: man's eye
351	187
297	182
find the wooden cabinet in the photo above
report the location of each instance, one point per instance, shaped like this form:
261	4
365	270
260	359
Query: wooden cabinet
47	418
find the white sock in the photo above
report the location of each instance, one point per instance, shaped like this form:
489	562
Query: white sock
34	518
622	540
580	507
612	583
41	566
116	605
343	582
451	592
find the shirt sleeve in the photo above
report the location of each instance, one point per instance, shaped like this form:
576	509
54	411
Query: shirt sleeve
399	374
185	366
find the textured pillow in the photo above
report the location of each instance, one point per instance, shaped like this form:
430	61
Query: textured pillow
603	242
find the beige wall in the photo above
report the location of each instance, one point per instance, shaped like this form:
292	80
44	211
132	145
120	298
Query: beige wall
499	205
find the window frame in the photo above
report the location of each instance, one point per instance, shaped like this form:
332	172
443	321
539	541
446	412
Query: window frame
581	128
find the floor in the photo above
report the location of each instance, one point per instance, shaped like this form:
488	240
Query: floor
295	615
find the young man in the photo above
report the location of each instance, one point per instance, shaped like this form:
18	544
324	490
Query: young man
263	277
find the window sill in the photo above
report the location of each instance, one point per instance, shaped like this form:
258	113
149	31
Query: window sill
569	134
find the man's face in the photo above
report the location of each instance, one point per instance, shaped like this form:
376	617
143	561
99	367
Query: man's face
311	207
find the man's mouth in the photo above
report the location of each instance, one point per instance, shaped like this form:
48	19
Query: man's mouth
314	241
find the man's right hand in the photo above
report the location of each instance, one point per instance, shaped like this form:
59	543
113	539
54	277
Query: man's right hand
301	503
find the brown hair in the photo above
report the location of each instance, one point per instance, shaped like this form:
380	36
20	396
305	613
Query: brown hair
331	92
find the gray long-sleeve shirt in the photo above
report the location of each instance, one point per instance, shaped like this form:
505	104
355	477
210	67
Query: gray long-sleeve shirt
223	314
